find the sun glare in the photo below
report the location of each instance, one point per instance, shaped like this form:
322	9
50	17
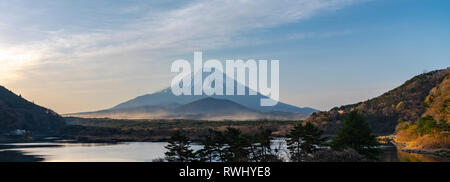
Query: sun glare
12	61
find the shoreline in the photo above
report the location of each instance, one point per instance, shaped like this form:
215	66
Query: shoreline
443	153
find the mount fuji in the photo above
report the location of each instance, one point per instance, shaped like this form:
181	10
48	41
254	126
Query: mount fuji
165	105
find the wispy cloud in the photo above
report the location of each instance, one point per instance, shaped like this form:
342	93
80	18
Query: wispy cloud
138	40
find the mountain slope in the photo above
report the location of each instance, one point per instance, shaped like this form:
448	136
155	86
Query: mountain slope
437	103
404	103
215	109
431	132
18	113
213	106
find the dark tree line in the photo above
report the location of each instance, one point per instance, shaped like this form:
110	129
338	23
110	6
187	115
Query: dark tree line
302	142
230	145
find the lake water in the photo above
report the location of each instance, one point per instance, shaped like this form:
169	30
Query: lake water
65	151
91	152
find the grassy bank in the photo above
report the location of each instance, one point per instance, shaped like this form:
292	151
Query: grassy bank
120	130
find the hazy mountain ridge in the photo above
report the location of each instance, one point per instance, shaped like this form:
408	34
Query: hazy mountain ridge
208	108
250	101
18	113
405	103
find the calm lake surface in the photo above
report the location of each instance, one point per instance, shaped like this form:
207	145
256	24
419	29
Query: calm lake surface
66	151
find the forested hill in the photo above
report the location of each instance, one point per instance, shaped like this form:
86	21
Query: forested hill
438	102
18	113
406	103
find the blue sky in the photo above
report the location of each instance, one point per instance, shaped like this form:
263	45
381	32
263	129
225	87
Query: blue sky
86	55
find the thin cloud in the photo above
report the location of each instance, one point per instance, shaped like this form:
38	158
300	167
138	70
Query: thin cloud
197	25
201	25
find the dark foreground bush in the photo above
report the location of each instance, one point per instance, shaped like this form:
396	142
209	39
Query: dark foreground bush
345	155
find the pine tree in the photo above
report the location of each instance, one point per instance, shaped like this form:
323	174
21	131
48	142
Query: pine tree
236	146
179	149
304	140
211	150
261	148
355	133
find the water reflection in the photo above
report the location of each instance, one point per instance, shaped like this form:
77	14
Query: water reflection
92	152
17	156
68	151
392	153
